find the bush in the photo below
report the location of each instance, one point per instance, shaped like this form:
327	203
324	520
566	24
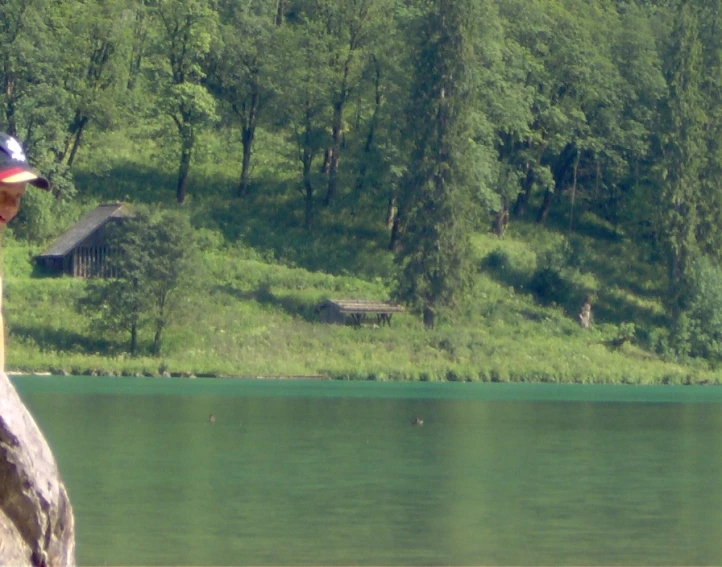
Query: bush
155	261
548	285
496	260
42	217
697	329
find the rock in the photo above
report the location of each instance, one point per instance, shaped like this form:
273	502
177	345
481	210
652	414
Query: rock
585	315
36	519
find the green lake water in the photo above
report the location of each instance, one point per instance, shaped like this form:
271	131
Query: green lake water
334	473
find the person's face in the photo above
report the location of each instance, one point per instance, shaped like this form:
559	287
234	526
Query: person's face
10	195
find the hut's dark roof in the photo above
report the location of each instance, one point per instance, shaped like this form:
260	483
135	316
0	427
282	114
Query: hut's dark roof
84	228
363	306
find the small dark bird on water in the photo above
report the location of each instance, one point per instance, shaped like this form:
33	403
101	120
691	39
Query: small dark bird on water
211	418
417	421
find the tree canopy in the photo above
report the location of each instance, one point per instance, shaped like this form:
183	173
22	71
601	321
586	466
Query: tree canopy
432	118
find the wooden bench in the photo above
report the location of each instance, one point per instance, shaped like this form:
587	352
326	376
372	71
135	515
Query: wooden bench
356	311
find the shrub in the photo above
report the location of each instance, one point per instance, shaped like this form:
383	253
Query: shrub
155	261
548	285
697	329
43	217
496	260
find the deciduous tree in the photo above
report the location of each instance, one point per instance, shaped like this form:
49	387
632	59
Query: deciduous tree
153	263
245	69
187	32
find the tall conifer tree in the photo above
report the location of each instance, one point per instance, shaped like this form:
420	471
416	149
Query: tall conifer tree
683	144
437	193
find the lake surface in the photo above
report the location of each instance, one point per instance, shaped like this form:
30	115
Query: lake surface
334	473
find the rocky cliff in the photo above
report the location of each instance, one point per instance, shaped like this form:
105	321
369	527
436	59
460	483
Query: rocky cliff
36	519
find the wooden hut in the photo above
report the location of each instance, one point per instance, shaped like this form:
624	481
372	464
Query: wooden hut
82	250
357	311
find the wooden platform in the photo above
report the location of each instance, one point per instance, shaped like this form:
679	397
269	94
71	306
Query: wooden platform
357	311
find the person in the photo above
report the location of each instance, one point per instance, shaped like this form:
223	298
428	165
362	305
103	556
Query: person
15	175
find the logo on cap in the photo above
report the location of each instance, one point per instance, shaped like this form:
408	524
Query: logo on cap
16	150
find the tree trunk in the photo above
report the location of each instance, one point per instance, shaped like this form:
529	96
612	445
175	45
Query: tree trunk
361	177
75	136
157	338
184	168
137	47
307	187
10	124
501	220
522	199
391	212
326	161
336	132
133	339
574	191
280	9
395	240
429	317
245	166
76	146
545	207
249	117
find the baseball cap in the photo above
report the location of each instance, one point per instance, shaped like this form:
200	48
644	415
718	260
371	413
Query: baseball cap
14	166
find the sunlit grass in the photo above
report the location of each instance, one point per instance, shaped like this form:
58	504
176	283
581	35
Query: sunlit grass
256	310
254	318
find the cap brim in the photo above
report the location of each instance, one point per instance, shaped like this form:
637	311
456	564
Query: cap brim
23	175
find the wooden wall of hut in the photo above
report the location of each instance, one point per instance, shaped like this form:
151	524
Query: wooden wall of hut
329	313
92	262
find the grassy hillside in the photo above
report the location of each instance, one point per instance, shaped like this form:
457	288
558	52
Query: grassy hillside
263	275
258	317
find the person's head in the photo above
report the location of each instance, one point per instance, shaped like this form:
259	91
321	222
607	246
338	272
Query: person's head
15	174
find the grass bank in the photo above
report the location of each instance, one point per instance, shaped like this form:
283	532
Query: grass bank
254	314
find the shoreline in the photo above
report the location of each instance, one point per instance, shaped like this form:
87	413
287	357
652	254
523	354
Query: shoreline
685	381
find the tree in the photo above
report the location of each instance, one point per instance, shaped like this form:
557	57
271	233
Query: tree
683	145
92	67
303	113
709	231
34	76
243	72
187	30
153	262
697	330
352	29
628	183
437	202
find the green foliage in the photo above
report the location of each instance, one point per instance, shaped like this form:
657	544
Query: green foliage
497	260
548	285
697	330
684	120
436	207
255	317
42	217
592	116
154	261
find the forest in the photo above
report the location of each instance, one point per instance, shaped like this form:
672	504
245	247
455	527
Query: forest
410	144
